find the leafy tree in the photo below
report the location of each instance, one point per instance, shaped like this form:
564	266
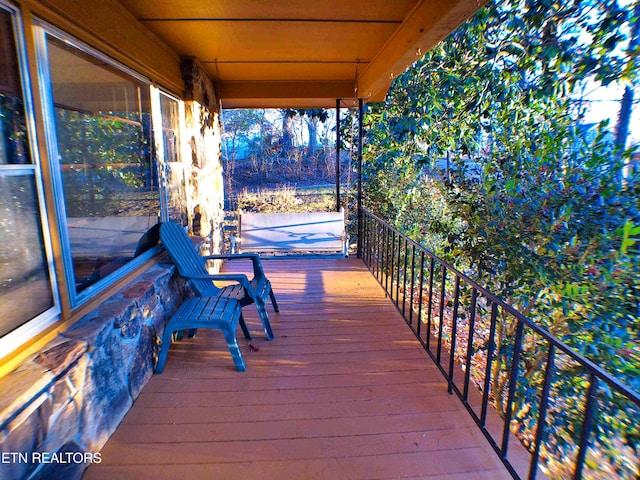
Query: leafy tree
312	117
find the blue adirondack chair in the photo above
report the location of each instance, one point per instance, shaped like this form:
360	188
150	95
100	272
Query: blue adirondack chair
219	312
192	267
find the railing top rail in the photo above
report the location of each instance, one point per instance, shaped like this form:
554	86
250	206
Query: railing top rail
593	368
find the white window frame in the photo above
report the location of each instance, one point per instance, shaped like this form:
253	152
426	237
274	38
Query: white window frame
24	333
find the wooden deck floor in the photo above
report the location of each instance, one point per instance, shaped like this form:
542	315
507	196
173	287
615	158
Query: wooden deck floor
344	391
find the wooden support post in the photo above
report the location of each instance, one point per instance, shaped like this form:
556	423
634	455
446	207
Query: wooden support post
338	155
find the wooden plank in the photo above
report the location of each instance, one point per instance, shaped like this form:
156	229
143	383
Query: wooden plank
293	449
464	463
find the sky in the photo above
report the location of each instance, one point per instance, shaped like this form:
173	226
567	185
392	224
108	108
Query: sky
605	101
605	104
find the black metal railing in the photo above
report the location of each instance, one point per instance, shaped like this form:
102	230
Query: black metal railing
544	408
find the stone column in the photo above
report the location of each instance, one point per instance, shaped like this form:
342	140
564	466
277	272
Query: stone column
203	171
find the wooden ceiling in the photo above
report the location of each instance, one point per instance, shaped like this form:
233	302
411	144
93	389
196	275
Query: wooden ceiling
301	53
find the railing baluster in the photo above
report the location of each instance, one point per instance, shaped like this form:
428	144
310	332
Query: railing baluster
367	222
396	268
413	282
379	243
385	256
365	238
420	293
381	251
397	258
389	272
373	246
542	411
487	372
587	426
472	327
428	337
370	239
513	381
454	331
404	278
443	291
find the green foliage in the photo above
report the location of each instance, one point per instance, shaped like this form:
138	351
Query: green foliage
529	205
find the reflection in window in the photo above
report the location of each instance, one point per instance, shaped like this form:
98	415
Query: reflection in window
109	174
14	147
25	284
176	180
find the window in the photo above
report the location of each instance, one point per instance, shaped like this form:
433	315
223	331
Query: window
171	113
108	189
27	293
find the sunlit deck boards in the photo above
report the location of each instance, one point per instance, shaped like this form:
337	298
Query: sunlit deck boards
344	391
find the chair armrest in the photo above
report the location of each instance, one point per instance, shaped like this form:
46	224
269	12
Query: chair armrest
241	278
231	256
258	271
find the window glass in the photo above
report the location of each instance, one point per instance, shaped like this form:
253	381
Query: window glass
170	108
25	282
176	181
14	146
108	169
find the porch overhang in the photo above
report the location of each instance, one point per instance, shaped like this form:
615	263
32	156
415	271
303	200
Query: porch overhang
301	54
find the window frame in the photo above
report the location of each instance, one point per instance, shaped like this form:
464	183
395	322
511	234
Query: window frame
158	131
42	30
34	326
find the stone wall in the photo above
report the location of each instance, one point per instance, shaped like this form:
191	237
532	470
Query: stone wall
59	407
202	155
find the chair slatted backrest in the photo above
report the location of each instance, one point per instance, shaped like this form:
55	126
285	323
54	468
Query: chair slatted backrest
184	255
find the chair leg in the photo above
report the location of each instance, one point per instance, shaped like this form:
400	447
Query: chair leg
236	354
244	327
273	301
164	349
264	317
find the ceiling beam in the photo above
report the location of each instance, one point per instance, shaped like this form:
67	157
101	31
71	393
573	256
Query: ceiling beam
428	24
261	90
